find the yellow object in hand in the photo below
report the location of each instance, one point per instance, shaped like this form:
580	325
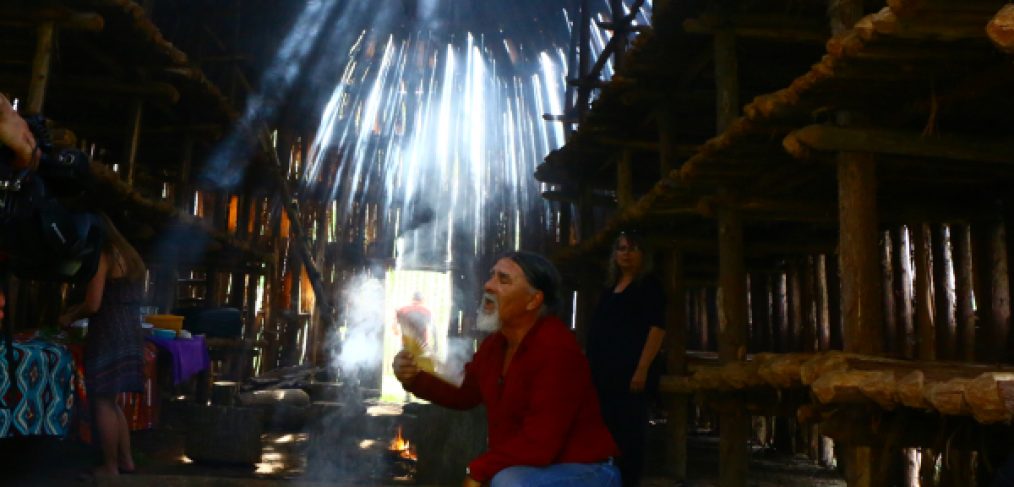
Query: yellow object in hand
422	360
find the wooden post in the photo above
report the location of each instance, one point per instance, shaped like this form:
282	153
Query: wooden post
40	67
903	293
807	300
726	79
982	282
133	138
834	304
735	423
823	313
888	267
676	344
587	213
1001	309
625	179
964	311
780	330
860	272
943	272
795	306
759	308
924	312
619	31
666	140
861	285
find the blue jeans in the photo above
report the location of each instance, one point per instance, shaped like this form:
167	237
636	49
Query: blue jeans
603	474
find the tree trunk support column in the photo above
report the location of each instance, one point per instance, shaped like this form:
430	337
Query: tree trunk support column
734	423
676	345
861	298
40	67
726	78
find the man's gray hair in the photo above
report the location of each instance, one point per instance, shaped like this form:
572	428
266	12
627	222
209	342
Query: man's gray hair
541	275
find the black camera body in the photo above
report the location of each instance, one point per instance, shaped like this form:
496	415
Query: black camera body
40	237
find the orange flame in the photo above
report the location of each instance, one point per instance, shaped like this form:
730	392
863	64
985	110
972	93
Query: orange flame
400	444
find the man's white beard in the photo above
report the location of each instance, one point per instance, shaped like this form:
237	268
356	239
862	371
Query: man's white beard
488	321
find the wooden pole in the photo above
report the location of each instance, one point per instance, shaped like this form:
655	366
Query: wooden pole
735	423
924	312
943	272
726	78
965	313
903	292
676	343
861	285
982	282
759	306
133	138
888	267
834	303
625	179
780	340
668	146
40	67
795	306
1001	309
860	272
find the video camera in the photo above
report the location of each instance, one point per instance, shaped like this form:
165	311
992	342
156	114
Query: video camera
40	236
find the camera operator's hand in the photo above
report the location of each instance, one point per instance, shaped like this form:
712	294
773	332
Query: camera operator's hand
14	134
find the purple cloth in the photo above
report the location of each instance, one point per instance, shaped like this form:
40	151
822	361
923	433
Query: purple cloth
190	356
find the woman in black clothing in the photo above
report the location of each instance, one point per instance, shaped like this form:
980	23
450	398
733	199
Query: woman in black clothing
625	335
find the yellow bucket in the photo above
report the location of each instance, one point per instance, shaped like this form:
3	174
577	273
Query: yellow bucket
166	322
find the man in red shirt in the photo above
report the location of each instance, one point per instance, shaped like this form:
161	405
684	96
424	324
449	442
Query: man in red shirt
543	416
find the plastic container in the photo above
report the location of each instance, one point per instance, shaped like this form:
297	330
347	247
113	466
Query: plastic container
147	329
166	322
164	334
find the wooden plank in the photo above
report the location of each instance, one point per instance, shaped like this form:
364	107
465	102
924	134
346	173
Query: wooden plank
910	144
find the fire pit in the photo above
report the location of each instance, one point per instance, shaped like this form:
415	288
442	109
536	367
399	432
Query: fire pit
401	458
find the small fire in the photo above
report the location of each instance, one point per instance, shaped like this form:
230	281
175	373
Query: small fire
401	445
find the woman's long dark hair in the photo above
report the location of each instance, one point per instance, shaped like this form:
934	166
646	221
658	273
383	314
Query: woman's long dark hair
121	252
634	240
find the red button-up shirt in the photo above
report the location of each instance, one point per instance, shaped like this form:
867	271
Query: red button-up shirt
544	410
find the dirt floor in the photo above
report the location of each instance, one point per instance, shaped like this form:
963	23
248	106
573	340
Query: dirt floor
161	462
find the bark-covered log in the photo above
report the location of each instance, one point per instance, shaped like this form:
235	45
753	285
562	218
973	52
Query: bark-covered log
821	364
991	397
856	387
949	397
1001	29
782	371
911	390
